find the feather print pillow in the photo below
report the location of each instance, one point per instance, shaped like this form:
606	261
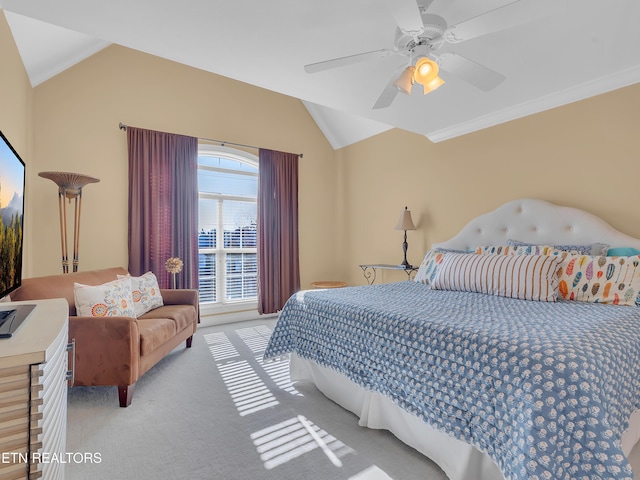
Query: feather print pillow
600	279
429	266
515	250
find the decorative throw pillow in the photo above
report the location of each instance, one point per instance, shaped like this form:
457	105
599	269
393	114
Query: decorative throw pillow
600	279
453	250
590	249
112	299
622	252
429	267
525	249
597	249
146	292
527	277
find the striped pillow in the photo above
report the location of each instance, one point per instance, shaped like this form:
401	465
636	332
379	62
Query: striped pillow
528	277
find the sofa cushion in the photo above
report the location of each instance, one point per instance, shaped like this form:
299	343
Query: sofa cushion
154	332
181	315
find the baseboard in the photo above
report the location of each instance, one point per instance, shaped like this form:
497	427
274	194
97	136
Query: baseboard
232	317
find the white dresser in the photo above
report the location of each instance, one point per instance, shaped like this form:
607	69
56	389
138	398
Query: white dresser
33	394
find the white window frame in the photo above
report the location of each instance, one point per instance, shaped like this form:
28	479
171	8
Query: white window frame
222	306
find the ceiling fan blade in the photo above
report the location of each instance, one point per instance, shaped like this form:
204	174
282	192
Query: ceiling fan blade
390	91
407	15
471	72
502	18
348	60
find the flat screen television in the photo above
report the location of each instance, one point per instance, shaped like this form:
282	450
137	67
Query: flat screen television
12	181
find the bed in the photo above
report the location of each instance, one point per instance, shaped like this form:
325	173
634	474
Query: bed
489	386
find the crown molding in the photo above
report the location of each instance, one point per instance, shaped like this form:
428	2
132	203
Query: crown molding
599	86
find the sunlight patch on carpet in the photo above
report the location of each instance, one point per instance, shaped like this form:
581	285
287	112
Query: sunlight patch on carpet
256	338
245	380
293	438
220	346
248	392
371	473
279	373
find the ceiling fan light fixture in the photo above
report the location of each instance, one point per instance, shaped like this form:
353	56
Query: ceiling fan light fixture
432	85
426	71
404	83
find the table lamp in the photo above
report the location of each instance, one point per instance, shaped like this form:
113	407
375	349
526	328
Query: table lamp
405	223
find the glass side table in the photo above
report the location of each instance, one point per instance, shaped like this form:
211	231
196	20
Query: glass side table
328	284
369	270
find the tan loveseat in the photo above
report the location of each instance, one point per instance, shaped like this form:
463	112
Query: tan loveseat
117	350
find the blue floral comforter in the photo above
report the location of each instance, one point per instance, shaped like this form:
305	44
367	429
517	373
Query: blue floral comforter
546	389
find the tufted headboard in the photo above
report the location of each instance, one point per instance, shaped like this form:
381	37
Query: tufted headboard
540	222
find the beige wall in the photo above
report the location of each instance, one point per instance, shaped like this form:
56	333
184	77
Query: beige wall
582	155
76	117
15	114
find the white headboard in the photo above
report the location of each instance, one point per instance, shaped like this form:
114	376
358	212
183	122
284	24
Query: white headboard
540	222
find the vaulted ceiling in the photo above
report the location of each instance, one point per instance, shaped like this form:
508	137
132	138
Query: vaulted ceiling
555	52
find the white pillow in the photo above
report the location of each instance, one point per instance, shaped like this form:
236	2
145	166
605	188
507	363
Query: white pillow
146	292
528	277
112	299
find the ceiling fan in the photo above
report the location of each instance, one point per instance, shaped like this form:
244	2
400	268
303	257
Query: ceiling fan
421	34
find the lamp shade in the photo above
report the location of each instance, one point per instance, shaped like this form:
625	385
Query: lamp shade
405	222
405	81
426	70
427	74
432	85
70	184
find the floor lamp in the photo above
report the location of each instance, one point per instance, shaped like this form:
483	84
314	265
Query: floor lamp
69	187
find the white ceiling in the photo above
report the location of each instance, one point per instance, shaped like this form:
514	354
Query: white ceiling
589	48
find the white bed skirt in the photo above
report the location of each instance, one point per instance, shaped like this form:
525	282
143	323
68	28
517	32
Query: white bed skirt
459	460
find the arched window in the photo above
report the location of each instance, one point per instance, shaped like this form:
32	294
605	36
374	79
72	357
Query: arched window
228	190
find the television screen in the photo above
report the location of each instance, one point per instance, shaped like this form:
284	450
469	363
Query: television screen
12	178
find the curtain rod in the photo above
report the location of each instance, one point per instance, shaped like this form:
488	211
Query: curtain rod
222	143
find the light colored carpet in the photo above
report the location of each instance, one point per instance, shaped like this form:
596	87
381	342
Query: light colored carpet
216	412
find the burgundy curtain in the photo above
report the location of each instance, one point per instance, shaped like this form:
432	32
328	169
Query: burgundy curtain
163	205
278	263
